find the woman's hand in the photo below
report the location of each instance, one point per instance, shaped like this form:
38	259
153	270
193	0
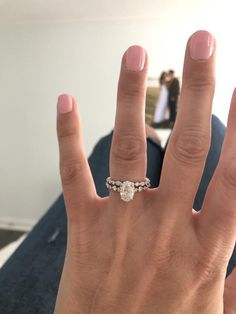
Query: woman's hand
154	254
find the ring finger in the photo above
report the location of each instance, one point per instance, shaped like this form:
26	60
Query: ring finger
128	149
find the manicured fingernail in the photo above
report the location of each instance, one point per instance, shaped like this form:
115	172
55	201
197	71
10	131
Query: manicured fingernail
64	103
135	58
201	45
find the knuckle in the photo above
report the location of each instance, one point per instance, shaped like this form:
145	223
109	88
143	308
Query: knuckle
190	146
71	172
131	90
199	82
128	148
65	131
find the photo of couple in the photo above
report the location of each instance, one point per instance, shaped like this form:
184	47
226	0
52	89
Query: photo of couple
166	105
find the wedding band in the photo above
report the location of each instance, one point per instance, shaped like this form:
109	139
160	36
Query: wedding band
127	188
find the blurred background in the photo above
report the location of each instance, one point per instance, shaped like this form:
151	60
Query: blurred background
69	46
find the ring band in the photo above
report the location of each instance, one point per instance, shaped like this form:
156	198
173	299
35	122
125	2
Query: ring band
127	188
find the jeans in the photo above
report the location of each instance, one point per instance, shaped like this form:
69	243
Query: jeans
30	278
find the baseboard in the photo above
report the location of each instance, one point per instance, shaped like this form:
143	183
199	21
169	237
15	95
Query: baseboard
11	223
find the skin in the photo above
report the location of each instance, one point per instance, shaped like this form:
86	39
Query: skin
155	254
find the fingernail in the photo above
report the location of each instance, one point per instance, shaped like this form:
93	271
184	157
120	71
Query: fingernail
64	103
135	58
201	45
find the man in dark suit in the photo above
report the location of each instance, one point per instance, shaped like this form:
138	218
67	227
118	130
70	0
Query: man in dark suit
174	89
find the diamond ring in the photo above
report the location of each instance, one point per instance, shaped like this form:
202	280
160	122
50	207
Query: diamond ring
127	188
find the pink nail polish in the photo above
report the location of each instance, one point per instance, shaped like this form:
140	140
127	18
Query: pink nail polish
64	103
135	58
201	45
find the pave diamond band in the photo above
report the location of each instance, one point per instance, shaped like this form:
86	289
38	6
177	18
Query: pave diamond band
127	188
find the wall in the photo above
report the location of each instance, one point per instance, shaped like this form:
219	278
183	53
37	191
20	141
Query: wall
40	61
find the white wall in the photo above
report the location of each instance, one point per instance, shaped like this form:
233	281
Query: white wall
40	61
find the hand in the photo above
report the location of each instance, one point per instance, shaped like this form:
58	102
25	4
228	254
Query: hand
154	254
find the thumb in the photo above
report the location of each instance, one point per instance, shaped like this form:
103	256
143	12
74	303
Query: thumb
230	293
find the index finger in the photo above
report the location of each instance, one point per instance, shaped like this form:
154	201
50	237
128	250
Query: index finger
77	181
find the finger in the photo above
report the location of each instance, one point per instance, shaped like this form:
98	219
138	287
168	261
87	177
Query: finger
128	149
230	293
216	221
77	182
190	139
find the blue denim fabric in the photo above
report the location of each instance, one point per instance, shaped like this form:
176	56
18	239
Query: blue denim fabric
30	278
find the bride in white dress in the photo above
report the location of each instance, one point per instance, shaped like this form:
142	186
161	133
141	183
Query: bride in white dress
161	112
